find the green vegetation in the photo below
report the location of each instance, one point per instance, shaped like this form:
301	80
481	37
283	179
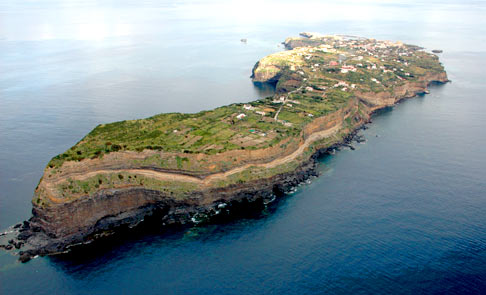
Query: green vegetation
204	132
71	188
312	80
254	173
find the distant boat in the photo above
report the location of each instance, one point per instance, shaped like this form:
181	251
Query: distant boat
437	51
243	40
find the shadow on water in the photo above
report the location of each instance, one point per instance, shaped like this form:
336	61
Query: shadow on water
141	240
265	89
383	111
150	235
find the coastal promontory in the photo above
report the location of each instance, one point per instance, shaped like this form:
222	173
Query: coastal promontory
178	168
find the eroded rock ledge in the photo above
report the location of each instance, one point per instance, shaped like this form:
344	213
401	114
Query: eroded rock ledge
176	169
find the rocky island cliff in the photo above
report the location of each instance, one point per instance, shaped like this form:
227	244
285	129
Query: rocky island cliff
189	168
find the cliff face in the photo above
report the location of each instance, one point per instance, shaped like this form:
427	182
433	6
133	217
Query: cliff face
382	99
318	105
265	74
58	228
269	69
83	217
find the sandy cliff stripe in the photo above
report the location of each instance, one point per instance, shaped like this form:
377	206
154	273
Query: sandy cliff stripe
50	186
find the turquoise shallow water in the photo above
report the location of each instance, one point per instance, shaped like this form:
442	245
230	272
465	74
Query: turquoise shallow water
403	213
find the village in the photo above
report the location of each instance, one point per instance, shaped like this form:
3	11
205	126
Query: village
318	76
330	65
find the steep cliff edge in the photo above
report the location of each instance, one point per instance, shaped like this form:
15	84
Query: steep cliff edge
190	168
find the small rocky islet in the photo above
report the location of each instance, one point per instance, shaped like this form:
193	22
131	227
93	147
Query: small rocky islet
180	168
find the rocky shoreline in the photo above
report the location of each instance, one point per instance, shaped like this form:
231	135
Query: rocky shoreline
66	223
28	239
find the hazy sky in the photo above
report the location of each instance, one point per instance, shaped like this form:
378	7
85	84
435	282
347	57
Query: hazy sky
96	20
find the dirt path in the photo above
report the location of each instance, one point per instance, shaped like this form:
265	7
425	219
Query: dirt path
285	101
50	186
314	137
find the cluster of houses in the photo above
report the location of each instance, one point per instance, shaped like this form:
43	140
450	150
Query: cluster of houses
281	99
344	85
359	52
263	112
357	48
251	108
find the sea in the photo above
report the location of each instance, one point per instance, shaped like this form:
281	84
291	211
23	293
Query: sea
403	213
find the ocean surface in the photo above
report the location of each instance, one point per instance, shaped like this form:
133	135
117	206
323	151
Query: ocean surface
404	213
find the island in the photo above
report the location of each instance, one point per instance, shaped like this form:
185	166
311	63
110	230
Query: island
178	168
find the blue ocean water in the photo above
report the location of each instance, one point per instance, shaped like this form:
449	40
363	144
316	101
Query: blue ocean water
404	213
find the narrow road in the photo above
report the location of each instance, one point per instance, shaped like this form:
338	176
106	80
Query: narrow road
51	186
285	101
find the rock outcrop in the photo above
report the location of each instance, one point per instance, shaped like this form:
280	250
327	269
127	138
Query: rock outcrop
318	106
